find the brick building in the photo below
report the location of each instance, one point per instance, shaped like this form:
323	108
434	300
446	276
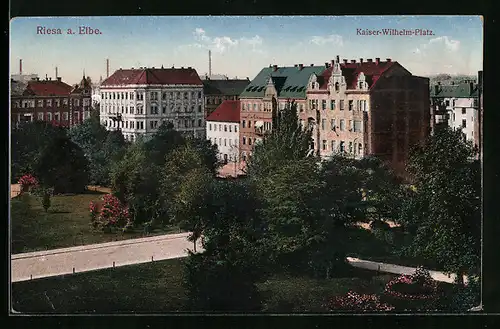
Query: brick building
271	89
220	90
50	100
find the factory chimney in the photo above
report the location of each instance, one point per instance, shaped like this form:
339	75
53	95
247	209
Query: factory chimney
20	67
107	67
210	63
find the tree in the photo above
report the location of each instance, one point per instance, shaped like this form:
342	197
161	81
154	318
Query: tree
287	141
28	141
63	166
223	277
208	151
184	188
443	212
164	140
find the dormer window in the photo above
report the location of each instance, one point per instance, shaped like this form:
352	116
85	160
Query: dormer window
337	87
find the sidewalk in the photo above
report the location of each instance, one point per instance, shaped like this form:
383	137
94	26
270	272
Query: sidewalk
398	269
57	262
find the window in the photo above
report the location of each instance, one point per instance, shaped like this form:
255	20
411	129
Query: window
65	116
199	94
40	116
323	104
235	129
351	105
151	124
350	125
58	102
192	123
49	102
332	145
357	126
332	122
199	122
350	147
225	142
332	105
49	116
185	95
301	107
464	123
220	127
65	101
199	108
342	124
249	124
57	116
249	141
220	141
464	110
324	145
164	109
254	106
447	102
342	146
209	126
230	128
40	103
243	123
244	140
225	127
341	104
131	110
323	124
337	87
360	146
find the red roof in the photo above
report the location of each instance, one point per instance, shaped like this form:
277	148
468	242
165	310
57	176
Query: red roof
48	88
228	111
351	71
147	76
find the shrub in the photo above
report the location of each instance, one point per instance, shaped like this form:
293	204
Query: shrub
28	181
380	225
357	302
110	213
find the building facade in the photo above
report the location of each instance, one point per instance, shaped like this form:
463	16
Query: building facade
268	92
138	101
223	130
457	106
50	100
220	90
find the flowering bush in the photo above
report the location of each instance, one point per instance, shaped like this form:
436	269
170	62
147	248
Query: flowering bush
357	302
109	213
418	285
28	181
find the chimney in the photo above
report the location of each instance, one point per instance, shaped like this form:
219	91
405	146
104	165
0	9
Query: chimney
301	66
20	67
353	61
326	64
345	61
369	60
248	79
56	72
361	60
275	68
59	79
46	78
332	63
388	60
312	65
50	78
295	65
338	59
480	79
210	63
377	60
107	67
471	87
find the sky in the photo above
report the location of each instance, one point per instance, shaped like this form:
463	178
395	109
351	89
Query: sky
241	45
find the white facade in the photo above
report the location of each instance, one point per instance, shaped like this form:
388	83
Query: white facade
143	108
226	136
462	115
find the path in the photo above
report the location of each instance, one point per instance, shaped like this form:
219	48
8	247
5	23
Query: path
15	189
398	269
56	262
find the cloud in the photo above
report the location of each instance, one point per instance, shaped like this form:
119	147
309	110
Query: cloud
334	39
221	44
438	45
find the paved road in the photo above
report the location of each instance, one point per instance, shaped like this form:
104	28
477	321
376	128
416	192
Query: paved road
398	269
15	189
56	262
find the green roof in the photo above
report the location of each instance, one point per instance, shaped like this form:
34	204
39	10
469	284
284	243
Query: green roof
290	82
461	90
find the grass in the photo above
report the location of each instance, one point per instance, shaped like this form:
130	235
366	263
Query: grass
157	288
66	224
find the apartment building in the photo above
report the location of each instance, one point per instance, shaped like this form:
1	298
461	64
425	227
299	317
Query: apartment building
223	130
138	101
216	91
50	100
268	92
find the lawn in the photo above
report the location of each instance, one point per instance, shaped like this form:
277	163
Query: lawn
157	287
66	224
